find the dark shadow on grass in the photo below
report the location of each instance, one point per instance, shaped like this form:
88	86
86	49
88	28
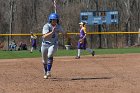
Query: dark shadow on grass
78	79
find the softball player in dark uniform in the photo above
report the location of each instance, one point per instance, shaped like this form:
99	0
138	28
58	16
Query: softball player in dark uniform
50	42
82	43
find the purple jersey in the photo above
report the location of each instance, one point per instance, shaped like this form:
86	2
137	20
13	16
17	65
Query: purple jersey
33	40
82	33
84	43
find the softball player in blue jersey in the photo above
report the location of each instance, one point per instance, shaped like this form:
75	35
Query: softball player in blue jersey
50	42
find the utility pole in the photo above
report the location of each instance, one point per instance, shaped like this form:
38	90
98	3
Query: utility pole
129	37
55	6
87	4
11	17
97	5
99	26
11	21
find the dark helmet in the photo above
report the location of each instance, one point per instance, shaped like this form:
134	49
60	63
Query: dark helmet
53	16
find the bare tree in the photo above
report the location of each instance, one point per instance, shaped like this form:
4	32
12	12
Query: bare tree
31	15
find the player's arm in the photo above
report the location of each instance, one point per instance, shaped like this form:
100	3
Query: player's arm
30	40
84	29
47	33
35	36
84	36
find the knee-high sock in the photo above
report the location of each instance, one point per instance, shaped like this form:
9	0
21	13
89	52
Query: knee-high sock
79	52
32	49
45	67
49	65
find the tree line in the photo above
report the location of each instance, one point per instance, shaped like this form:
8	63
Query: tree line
25	16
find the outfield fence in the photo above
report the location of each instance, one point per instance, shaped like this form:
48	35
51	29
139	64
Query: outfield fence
89	33
95	39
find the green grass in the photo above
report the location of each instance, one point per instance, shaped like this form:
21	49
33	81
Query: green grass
60	52
18	54
118	51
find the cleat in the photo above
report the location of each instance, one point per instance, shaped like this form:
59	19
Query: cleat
48	74
45	77
78	57
93	53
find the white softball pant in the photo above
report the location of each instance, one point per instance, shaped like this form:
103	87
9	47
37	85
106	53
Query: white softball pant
47	51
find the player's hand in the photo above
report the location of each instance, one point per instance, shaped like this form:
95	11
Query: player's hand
53	29
43	36
81	40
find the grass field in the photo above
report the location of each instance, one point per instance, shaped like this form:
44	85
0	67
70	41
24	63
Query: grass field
60	52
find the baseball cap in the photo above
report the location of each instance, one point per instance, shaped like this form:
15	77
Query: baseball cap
82	23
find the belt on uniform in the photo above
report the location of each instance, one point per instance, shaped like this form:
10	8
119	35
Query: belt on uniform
46	42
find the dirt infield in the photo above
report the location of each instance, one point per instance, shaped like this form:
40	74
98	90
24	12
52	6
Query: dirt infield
99	74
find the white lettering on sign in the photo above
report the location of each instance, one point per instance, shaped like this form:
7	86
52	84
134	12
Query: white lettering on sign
113	20
104	21
97	18
114	12
86	13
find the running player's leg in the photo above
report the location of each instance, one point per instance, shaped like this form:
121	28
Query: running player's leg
90	51
44	51
78	51
51	50
31	50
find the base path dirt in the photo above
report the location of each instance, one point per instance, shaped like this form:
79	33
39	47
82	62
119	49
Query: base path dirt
99	74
